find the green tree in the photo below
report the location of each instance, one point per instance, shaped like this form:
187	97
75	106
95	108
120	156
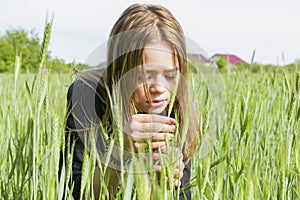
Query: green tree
22	43
27	44
222	64
6	55
59	65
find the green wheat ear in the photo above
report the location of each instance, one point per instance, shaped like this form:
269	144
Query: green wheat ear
84	172
45	43
40	79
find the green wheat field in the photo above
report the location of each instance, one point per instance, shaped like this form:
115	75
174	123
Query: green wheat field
255	155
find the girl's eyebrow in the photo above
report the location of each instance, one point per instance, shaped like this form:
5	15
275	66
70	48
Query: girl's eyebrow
170	70
167	70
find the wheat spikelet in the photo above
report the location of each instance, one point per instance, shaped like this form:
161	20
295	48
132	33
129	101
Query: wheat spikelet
45	43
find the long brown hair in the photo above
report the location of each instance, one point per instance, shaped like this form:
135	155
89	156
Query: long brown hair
137	26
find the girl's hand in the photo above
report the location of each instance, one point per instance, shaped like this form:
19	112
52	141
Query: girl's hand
143	127
177	157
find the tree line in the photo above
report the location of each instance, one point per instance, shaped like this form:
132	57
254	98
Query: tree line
27	45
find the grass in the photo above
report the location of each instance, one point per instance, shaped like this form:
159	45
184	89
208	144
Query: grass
255	154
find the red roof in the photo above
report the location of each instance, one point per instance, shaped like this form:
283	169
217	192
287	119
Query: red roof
232	59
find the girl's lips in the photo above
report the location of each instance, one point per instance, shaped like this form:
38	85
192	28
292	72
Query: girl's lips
158	103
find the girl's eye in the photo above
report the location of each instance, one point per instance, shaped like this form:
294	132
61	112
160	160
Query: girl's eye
141	78
170	76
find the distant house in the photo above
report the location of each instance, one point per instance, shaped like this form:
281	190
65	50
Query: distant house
232	59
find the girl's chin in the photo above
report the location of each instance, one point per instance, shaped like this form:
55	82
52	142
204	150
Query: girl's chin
157	110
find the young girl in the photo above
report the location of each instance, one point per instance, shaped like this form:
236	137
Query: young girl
142	94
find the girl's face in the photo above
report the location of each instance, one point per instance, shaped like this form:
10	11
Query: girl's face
160	73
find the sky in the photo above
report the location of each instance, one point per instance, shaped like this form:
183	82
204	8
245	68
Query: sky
268	27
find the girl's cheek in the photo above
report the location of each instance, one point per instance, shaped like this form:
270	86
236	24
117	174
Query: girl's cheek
139	95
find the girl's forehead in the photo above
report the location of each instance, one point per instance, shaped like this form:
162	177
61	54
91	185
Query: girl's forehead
158	45
158	68
159	54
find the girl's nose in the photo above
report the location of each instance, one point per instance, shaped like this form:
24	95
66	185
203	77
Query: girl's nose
158	86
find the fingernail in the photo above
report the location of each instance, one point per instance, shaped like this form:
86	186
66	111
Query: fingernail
157	168
172	121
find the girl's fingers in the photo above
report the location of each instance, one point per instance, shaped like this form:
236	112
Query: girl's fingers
154	137
153	127
178	173
176	178
172	151
180	164
150	123
176	183
157	168
155	156
156	145
151	118
140	146
143	145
